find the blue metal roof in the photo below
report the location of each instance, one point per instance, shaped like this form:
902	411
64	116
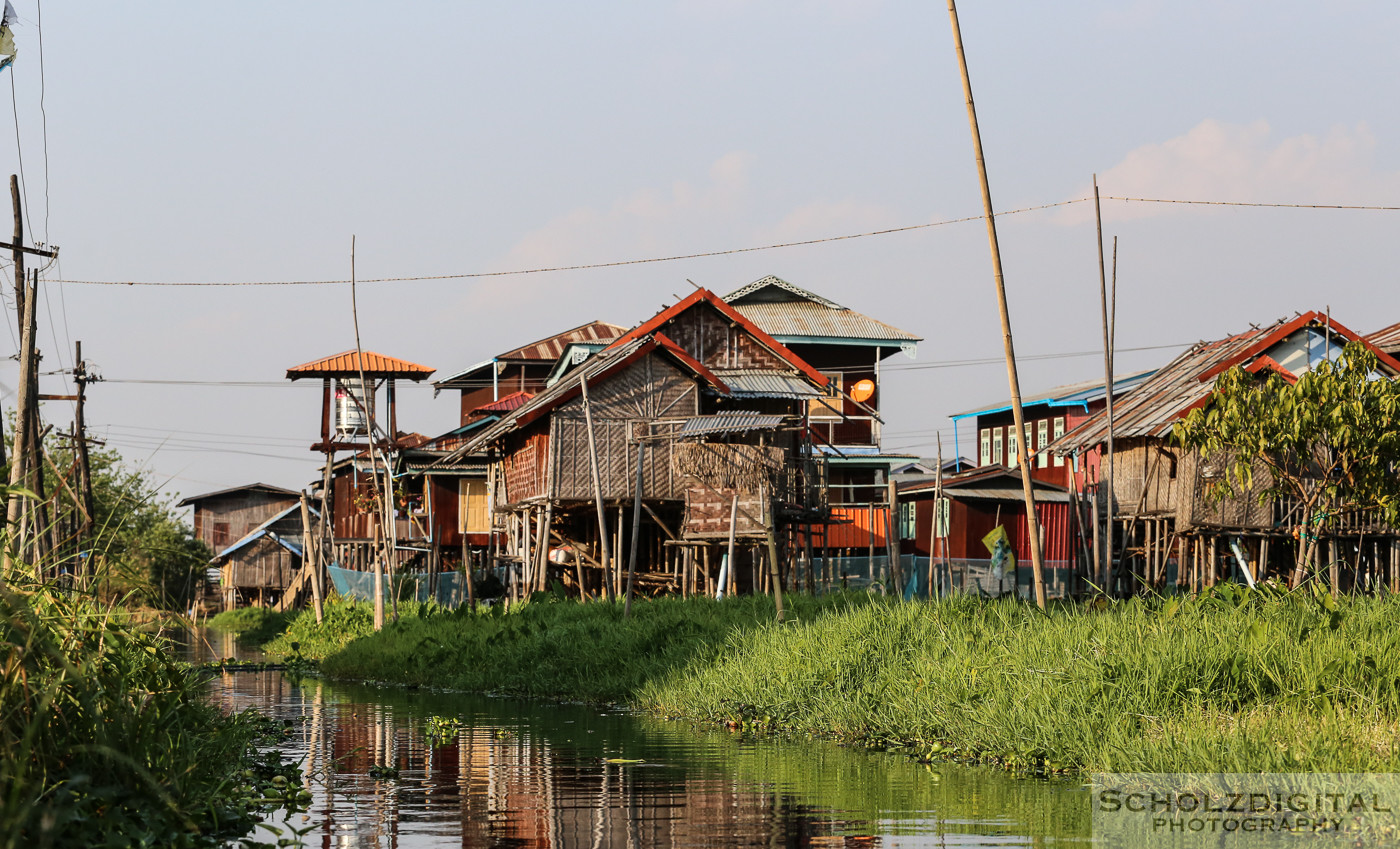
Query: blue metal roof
1072	395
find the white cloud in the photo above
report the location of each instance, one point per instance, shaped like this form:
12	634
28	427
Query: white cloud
1244	162
640	224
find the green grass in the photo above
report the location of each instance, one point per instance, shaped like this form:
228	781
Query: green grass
1236	681
107	739
251	624
549	649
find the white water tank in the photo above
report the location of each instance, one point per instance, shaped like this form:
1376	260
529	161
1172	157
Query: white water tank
353	406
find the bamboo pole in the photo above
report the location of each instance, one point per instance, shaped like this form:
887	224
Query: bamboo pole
604	555
1018	414
770	531
636	530
727	586
311	558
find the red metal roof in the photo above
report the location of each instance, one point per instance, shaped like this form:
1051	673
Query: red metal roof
551	347
505	404
1188	382
658	321
348	364
1387	339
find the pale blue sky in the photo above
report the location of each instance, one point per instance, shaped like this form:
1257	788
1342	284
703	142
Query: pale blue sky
247	142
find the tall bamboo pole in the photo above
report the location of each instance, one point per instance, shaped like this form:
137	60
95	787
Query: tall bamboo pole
1107	542
636	529
1032	522
604	556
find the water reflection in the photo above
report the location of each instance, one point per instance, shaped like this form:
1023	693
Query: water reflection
521	774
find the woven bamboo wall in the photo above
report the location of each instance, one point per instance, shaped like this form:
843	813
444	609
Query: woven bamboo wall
1241	511
709	337
1145	476
707	513
621	406
524	466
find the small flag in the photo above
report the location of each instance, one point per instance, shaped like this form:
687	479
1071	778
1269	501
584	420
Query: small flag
7	37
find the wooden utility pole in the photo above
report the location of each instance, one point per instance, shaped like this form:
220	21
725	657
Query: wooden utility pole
1032	522
81	378
20	459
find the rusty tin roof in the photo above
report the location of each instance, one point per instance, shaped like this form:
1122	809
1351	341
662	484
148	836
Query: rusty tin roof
349	363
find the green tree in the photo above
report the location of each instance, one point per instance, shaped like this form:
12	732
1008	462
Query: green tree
140	546
1330	441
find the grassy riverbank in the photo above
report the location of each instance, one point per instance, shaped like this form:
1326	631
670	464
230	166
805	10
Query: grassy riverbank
1237	681
108	740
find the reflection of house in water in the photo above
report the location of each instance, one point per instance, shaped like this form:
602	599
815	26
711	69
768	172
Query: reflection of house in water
542	783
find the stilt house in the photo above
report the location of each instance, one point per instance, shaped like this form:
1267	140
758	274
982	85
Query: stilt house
1163	525
849	349
693	416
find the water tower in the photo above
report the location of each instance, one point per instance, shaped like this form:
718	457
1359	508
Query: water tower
349	384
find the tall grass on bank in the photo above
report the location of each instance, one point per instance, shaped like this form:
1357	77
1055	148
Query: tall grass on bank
1237	681
550	649
106	739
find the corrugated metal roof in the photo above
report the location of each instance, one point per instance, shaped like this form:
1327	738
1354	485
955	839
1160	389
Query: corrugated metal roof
505	403
594	365
1387	339
1007	493
348	364
784	311
754	383
252	487
735	422
543	350
807	319
1153	409
551	347
1070	395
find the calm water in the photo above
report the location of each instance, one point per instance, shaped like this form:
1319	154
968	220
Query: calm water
522	774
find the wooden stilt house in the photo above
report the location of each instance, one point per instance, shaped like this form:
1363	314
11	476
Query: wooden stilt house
1157	515
653	443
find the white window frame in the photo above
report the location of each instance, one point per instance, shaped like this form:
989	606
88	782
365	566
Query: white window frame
1059	430
1042	439
984	455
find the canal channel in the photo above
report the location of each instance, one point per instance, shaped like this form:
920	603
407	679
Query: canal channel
476	771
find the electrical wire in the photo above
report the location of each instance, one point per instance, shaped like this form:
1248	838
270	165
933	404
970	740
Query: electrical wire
730	251
19	154
580	267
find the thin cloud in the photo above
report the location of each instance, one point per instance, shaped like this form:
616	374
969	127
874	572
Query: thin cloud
1220	161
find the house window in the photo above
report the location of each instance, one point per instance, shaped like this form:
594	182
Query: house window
220	536
1013	448
985	455
472	517
940	528
908	520
827	406
996	445
1042	439
1059	431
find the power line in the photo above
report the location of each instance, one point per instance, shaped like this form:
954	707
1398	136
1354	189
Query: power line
581	267
730	251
